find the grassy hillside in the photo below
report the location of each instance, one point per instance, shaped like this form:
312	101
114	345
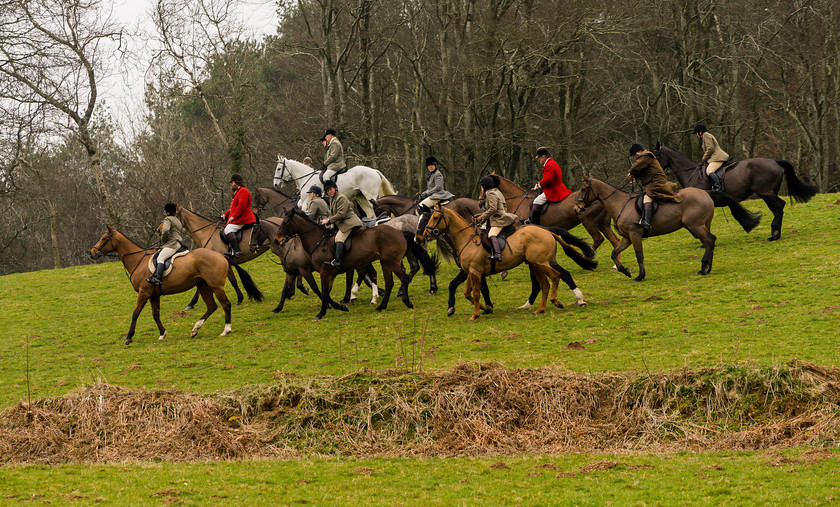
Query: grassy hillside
763	302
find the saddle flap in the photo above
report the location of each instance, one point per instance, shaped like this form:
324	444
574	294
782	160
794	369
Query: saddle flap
168	263
640	205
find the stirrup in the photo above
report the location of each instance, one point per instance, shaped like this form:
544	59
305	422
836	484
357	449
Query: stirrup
154	280
333	264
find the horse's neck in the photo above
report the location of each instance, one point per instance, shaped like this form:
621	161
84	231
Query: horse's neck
299	172
310	237
514	194
129	252
458	228
612	198
198	227
681	166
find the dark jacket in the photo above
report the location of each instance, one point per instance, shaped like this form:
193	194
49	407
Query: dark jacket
647	170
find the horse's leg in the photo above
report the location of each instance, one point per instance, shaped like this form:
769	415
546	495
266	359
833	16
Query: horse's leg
370	280
365	205
326	286
475	285
636	239
453	286
286	293
226	306
350	289
192	302
404	281
388	275
414	266
155	303
543	281
535	290
777	207
235	284
708	239
570	282
622	245
207	296
485	293
307	275
141	302
300	286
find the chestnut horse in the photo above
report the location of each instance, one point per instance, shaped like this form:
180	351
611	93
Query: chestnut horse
760	176
200	268
533	245
694	213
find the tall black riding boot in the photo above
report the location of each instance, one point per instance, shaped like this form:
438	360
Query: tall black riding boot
233	244
497	252
716	183
535	215
339	252
157	276
645	220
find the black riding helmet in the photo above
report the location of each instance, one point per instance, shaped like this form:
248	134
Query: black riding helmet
329	184
431	161
636	148
699	129
170	208
314	189
487	182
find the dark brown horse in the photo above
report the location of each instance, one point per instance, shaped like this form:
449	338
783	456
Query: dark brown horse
560	214
270	202
760	176
201	268
385	244
695	213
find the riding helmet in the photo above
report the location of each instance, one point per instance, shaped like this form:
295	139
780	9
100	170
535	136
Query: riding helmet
314	189
329	132
699	129
431	161
542	151
330	184
237	178
636	148
170	208
487	182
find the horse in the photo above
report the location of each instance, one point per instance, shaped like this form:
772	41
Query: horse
533	245
386	244
760	176
201	268
559	214
205	234
408	224
271	202
397	205
359	183
694	213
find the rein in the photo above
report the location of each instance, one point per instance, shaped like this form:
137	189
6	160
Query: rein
283	171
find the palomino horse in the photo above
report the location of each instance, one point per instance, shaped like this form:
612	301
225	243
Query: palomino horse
201	268
533	245
386	244
695	213
359	183
559	214
205	234
760	176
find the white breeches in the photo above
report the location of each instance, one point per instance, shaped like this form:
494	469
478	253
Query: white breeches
229	228
540	199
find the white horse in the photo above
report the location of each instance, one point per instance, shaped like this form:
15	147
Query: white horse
359	183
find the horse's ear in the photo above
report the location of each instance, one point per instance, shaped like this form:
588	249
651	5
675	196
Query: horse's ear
658	146
110	229
586	178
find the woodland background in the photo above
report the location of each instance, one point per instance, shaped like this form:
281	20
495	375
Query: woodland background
480	84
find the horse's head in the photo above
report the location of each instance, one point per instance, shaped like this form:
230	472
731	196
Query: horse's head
662	157
586	196
105	245
437	222
281	172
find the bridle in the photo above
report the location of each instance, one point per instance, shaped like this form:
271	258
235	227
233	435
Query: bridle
110	239
283	173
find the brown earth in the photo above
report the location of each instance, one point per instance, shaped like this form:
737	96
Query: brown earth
474	409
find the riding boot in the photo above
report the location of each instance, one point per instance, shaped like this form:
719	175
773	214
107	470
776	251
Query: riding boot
644	222
716	183
421	226
234	245
339	252
535	215
157	276
497	252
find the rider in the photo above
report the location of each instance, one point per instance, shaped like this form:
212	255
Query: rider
318	209
496	212
334	161
344	218
434	193
713	155
307	161
172	236
647	170
239	214
553	189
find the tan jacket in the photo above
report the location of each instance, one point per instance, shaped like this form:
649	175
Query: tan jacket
335	156
496	209
342	214
711	149
171	233
318	209
647	170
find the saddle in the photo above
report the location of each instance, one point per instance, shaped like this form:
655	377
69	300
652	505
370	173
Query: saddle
168	263
373	222
238	233
502	237
334	177
721	171
640	205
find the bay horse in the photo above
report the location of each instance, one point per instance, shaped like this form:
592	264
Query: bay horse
694	213
760	176
359	183
533	245
205	234
201	268
386	244
559	214
270	202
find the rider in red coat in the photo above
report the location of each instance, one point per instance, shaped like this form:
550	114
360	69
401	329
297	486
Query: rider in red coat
553	189
239	214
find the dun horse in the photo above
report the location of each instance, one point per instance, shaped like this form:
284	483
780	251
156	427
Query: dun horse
695	213
200	268
760	176
386	244
533	245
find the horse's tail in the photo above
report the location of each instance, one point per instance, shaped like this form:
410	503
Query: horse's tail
248	283
580	258
573	240
385	187
429	264
748	219
799	190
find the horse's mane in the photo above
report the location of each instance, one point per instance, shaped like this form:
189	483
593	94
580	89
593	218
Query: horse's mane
397	196
299	212
135	242
200	215
678	155
284	194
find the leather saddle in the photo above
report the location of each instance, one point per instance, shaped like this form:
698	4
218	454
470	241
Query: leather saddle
721	171
334	177
255	225
502	238
168	263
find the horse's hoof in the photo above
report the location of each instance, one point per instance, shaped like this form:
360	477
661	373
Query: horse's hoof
488	310
128	341
277	310
161	337
473	318
537	312
409	304
526	306
318	317
346	301
432	292
557	303
188	308
239	303
637	279
580	304
625	272
450	312
503	275
399	293
343	308
193	333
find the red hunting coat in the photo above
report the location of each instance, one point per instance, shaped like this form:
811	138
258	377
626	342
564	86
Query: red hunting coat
240	208
552	182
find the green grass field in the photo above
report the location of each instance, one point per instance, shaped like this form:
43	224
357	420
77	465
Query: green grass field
764	303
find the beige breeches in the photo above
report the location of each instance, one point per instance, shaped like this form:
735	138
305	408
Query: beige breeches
340	236
712	167
494	231
429	202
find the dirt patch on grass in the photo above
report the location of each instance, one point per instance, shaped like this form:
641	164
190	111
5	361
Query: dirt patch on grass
475	409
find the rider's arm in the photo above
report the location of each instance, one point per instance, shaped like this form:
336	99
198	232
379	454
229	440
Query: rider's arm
708	146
